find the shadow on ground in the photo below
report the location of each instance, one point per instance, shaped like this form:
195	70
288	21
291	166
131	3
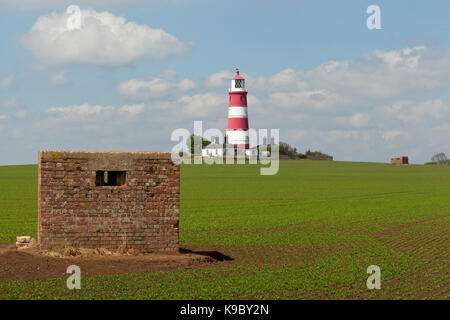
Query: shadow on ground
212	254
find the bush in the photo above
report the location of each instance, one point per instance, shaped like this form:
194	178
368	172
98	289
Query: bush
193	138
287	150
440	159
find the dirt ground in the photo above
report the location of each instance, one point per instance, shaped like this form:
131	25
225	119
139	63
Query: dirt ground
31	264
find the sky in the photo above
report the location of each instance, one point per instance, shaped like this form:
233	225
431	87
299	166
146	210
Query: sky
134	71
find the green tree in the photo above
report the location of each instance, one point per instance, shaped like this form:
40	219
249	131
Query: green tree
287	150
196	139
440	158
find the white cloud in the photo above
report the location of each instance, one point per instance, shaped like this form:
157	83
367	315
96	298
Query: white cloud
376	75
155	88
131	110
3	117
104	39
203	105
351	84
185	85
395	58
309	99
286	80
391	135
359	120
208	107
219	80
96	112
58	79
436	109
6	82
414	113
82	111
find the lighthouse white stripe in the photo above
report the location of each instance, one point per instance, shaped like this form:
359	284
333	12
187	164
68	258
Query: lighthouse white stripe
237	136
237	112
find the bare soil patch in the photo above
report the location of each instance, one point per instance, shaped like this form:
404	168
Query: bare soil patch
32	264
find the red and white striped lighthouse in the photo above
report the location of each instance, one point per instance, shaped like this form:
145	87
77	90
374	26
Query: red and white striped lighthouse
237	132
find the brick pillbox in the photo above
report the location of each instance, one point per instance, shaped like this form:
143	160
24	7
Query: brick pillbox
97	199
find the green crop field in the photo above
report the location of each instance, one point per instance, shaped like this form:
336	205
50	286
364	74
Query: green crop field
18	202
309	232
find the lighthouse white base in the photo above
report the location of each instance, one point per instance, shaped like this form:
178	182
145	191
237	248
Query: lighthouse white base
239	137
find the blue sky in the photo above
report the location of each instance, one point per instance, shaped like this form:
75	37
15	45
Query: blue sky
313	68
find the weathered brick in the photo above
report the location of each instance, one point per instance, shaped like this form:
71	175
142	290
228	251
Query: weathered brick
142	214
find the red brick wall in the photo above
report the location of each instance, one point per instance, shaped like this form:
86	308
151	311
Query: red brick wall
142	214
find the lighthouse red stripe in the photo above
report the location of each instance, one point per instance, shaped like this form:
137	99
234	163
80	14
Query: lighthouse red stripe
238	99
237	123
